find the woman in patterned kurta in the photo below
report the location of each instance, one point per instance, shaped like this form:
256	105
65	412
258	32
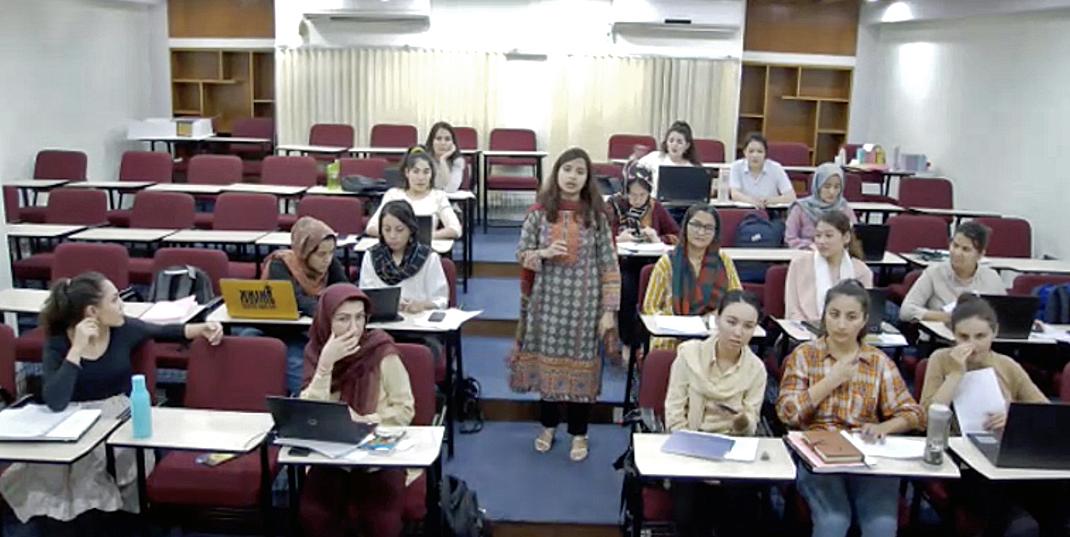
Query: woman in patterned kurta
570	293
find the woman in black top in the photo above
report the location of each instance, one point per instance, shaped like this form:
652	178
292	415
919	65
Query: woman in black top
87	362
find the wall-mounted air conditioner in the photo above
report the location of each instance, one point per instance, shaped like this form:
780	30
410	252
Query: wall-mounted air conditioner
414	15
686	19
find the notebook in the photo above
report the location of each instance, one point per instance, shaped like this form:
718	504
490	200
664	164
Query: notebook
259	299
38	423
832	447
703	446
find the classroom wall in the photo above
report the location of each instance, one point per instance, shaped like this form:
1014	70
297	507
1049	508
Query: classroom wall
985	99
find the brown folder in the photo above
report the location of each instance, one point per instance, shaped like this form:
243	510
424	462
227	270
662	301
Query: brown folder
832	447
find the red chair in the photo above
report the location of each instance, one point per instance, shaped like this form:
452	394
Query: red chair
252	154
792	154
71	206
374	168
910	231
242	483
11	205
141	166
730	220
930	193
288	171
162	210
510	140
709	150
898	291
7	362
387	135
622	145
344	214
644	281
852	187
54	164
467	138
331	134
417	361
653	383
1026	284
239	211
214	170
773	302
1011	237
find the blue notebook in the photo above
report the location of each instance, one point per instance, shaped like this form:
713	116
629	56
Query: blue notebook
703	446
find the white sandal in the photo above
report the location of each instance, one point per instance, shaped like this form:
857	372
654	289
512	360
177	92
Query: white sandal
580	447
545	440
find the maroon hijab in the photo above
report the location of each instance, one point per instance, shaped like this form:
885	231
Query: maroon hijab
355	377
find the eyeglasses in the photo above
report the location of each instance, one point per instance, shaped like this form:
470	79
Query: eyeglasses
705	228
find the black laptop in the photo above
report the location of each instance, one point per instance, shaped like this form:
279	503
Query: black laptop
425	229
1014	314
877	300
324	421
1037	435
683	185
385	301
874	239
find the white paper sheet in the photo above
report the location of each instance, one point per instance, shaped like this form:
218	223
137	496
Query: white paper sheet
331	450
978	395
174	311
680	325
645	247
39	422
893	447
453	320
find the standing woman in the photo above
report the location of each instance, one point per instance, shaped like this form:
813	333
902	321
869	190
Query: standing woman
449	163
570	293
87	360
758	180
838	383
810	276
361	368
418	169
691	279
826	194
677	149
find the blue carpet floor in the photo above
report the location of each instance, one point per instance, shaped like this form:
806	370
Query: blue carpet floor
499	298
497	245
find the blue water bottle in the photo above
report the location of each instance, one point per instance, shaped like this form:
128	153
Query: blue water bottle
140	407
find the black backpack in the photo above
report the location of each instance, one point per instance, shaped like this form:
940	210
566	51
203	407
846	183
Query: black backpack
180	281
755	231
1054	303
460	510
469	411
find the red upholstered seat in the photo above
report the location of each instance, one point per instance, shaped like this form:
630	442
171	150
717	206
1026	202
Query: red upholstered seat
417	361
622	145
511	182
657	504
141	166
71	206
29	345
387	135
374	168
7	360
709	150
928	192
909	231
344	214
898	291
775	283
1011	237
54	164
179	480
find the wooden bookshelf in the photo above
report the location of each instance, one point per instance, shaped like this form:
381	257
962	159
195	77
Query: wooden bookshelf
796	103
223	84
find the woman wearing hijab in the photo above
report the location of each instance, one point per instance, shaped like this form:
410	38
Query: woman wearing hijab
309	263
826	194
691	279
361	368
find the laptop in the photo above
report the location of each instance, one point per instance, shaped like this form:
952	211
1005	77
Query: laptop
874	239
385	301
324	421
425	229
1014	314
259	299
1037	435
877	300
683	185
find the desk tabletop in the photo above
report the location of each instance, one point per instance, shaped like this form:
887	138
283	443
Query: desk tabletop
875	206
41	231
111	185
513	153
172	138
440	246
282	238
301	148
58	452
222	316
652	327
215	236
186	188
198	429
256	188
962	213
652	462
238	140
1025	264
643	249
883	466
889	259
888	338
31	301
380	150
35	183
973	457
771	255
423	453
943	332
120	234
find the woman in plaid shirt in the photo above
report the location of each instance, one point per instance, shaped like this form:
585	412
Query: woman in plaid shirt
838	382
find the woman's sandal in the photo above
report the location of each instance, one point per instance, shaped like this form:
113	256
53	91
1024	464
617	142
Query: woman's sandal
545	440
579	448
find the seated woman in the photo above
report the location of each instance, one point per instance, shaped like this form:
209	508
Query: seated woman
309	263
361	368
837	383
758	180
691	279
717	385
930	297
449	163
87	360
677	149
418	170
811	276
826	194
974	324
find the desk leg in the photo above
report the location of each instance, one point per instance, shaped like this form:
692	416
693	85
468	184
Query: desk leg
266	514
451	390
109	457
435	522
483	194
293	491
142	492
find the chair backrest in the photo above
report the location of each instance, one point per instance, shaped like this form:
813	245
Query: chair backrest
162	210
851	150
644	281
387	135
146	166
238	211
919	378
213	262
789	153
74	258
143	362
730	219
929	192
7	360
368	167
1024	284
60	164
212	371
1011	237
450	270
1064	385
419	364
774	300
253	127
11	205
606	169
909	231
621	145
709	150
344	214
214	170
77	206
294	171
512	140
852	187
467	138
332	134
654	380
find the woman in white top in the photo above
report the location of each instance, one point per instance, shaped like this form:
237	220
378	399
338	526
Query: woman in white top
418	170
449	163
677	149
835	258
758	180
400	260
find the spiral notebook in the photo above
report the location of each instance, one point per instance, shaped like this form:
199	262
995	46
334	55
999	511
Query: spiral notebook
38	423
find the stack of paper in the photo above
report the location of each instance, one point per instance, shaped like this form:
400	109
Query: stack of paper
680	325
892	447
174	311
39	423
977	396
645	247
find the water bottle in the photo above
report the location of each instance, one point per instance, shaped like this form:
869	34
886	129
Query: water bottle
936	435
333	169
140	407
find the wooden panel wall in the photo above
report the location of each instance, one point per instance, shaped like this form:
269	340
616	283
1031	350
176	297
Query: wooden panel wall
221	18
802	27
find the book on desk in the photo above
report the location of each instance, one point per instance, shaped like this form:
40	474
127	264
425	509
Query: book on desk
38	423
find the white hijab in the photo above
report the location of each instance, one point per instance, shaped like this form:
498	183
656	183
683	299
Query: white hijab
821	273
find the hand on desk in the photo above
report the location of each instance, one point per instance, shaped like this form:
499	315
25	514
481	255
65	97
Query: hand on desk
995	422
872	433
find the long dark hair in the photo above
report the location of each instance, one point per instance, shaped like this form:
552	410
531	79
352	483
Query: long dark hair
977	233
842	224
67	300
683	129
593	208
414	154
430	143
971	306
850	288
402	210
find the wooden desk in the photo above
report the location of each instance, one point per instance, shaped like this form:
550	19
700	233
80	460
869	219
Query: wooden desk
653	463
59	452
118	234
172	141
282	239
115	189
653	329
1017	264
215	237
886	174
286	149
186	188
965	450
440	246
958	214
28	188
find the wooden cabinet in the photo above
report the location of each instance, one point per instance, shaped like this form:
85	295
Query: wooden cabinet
223	84
796	103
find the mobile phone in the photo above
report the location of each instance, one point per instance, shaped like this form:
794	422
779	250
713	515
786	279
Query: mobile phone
297	451
214	459
437	316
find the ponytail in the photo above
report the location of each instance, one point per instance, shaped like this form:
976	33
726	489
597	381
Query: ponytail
68	299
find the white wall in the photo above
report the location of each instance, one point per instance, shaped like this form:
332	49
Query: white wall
74	72
986	99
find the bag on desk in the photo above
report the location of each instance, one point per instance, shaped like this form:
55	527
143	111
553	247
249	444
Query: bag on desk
364	185
180	281
1054	303
460	510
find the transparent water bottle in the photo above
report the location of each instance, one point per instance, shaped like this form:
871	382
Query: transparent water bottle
333	181
937	433
140	407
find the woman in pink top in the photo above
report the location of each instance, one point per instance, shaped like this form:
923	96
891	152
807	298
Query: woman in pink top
832	261
826	194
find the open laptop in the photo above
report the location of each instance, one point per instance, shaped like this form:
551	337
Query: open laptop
877	300
874	239
385	301
1014	314
259	299
683	185
1037	435
324	421
425	229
